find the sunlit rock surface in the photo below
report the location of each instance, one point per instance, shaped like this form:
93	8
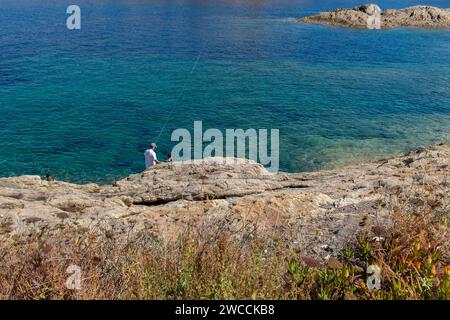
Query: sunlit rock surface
319	211
417	16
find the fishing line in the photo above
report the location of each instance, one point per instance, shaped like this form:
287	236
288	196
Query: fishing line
180	96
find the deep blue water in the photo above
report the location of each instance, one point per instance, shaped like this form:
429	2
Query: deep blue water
85	104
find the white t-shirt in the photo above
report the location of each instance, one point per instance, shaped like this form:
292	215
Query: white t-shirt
150	158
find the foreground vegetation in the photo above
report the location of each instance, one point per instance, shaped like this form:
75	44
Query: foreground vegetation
412	254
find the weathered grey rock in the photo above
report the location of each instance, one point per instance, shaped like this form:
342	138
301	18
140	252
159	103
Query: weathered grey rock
319	211
370	9
417	16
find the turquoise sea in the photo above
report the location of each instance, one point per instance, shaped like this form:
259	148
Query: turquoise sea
85	104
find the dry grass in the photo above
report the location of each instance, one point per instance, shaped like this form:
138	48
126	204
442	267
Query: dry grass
413	255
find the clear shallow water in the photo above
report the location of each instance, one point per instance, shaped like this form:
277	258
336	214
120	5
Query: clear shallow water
85	104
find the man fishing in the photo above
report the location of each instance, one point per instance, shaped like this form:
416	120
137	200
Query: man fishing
150	156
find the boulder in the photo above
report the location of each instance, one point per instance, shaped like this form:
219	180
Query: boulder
370	9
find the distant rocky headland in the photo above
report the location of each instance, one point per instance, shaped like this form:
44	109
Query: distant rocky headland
364	17
320	210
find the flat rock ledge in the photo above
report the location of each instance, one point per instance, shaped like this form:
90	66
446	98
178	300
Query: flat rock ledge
358	17
318	211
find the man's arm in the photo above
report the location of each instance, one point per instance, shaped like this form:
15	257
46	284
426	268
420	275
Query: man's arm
156	158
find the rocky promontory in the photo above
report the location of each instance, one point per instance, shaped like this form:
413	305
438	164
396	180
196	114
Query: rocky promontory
369	15
319	211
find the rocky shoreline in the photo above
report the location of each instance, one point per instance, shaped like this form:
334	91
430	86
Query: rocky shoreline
361	17
318	211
